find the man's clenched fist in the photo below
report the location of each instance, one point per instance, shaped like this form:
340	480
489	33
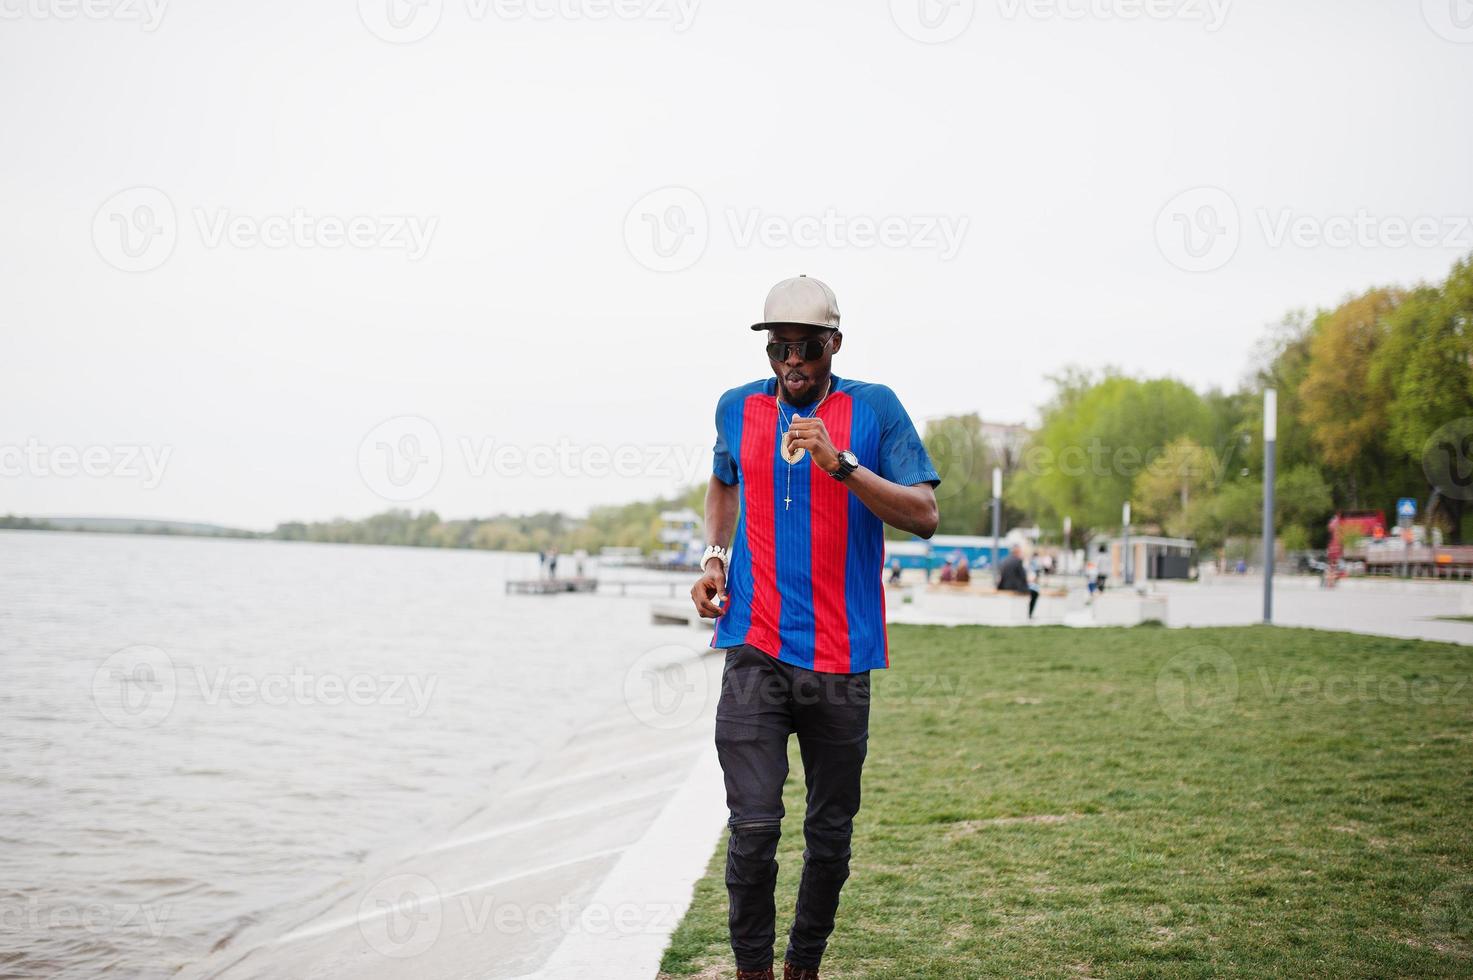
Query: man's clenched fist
709	592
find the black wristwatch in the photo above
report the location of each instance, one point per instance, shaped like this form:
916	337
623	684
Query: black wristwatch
848	463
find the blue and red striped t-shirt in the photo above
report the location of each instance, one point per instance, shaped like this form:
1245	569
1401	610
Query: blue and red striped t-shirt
805	584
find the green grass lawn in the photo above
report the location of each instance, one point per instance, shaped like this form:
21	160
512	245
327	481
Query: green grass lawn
1047	802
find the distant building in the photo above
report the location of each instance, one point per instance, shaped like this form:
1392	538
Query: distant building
681	541
1006	442
1152	557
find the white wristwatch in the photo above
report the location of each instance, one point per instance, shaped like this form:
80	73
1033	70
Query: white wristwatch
716	551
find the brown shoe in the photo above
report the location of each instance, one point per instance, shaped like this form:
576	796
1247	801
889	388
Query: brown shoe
791	972
755	974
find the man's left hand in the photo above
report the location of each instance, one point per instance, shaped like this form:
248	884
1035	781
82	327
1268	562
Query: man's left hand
812	435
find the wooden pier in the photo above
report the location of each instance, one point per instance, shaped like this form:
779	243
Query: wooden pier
556	586
550	586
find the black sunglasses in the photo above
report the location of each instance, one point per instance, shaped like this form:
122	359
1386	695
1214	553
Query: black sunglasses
809	350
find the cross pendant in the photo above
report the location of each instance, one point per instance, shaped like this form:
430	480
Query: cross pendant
786	502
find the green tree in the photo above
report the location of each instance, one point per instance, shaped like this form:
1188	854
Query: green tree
1344	401
964	462
1176	487
1097	437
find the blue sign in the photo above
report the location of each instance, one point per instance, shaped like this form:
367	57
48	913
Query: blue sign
1406	507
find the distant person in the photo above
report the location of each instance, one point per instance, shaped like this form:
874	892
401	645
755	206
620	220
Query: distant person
541	564
963	571
1012	576
1242	566
803	456
552	564
948	572
1089	577
895	571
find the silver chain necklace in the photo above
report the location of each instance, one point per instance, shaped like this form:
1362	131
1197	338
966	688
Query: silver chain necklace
787	423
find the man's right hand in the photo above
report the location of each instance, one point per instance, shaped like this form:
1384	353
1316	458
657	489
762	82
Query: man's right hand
710	589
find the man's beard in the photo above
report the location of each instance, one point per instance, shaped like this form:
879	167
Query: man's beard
815	388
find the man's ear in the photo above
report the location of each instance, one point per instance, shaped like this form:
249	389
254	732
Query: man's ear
838	341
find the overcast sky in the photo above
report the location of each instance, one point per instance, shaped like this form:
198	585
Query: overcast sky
290	260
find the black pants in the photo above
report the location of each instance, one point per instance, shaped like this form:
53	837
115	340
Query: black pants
763	701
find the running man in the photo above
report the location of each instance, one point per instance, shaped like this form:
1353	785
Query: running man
817	464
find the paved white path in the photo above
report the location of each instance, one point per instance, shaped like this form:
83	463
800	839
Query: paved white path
581	866
1378	608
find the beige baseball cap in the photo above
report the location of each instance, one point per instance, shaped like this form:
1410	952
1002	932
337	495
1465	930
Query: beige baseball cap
800	301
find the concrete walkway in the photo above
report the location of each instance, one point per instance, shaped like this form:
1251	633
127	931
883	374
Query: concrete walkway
580	867
1379	608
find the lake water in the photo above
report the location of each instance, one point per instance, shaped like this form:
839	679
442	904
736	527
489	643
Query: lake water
196	733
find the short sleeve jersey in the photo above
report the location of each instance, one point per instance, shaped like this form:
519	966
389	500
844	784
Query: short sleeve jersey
807	559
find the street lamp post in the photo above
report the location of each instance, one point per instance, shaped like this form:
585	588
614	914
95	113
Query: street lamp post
1129	569
1270	432
996	514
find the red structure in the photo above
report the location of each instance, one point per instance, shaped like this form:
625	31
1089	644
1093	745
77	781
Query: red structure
1353	523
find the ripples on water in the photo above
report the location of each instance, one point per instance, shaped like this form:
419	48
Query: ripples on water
135	850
